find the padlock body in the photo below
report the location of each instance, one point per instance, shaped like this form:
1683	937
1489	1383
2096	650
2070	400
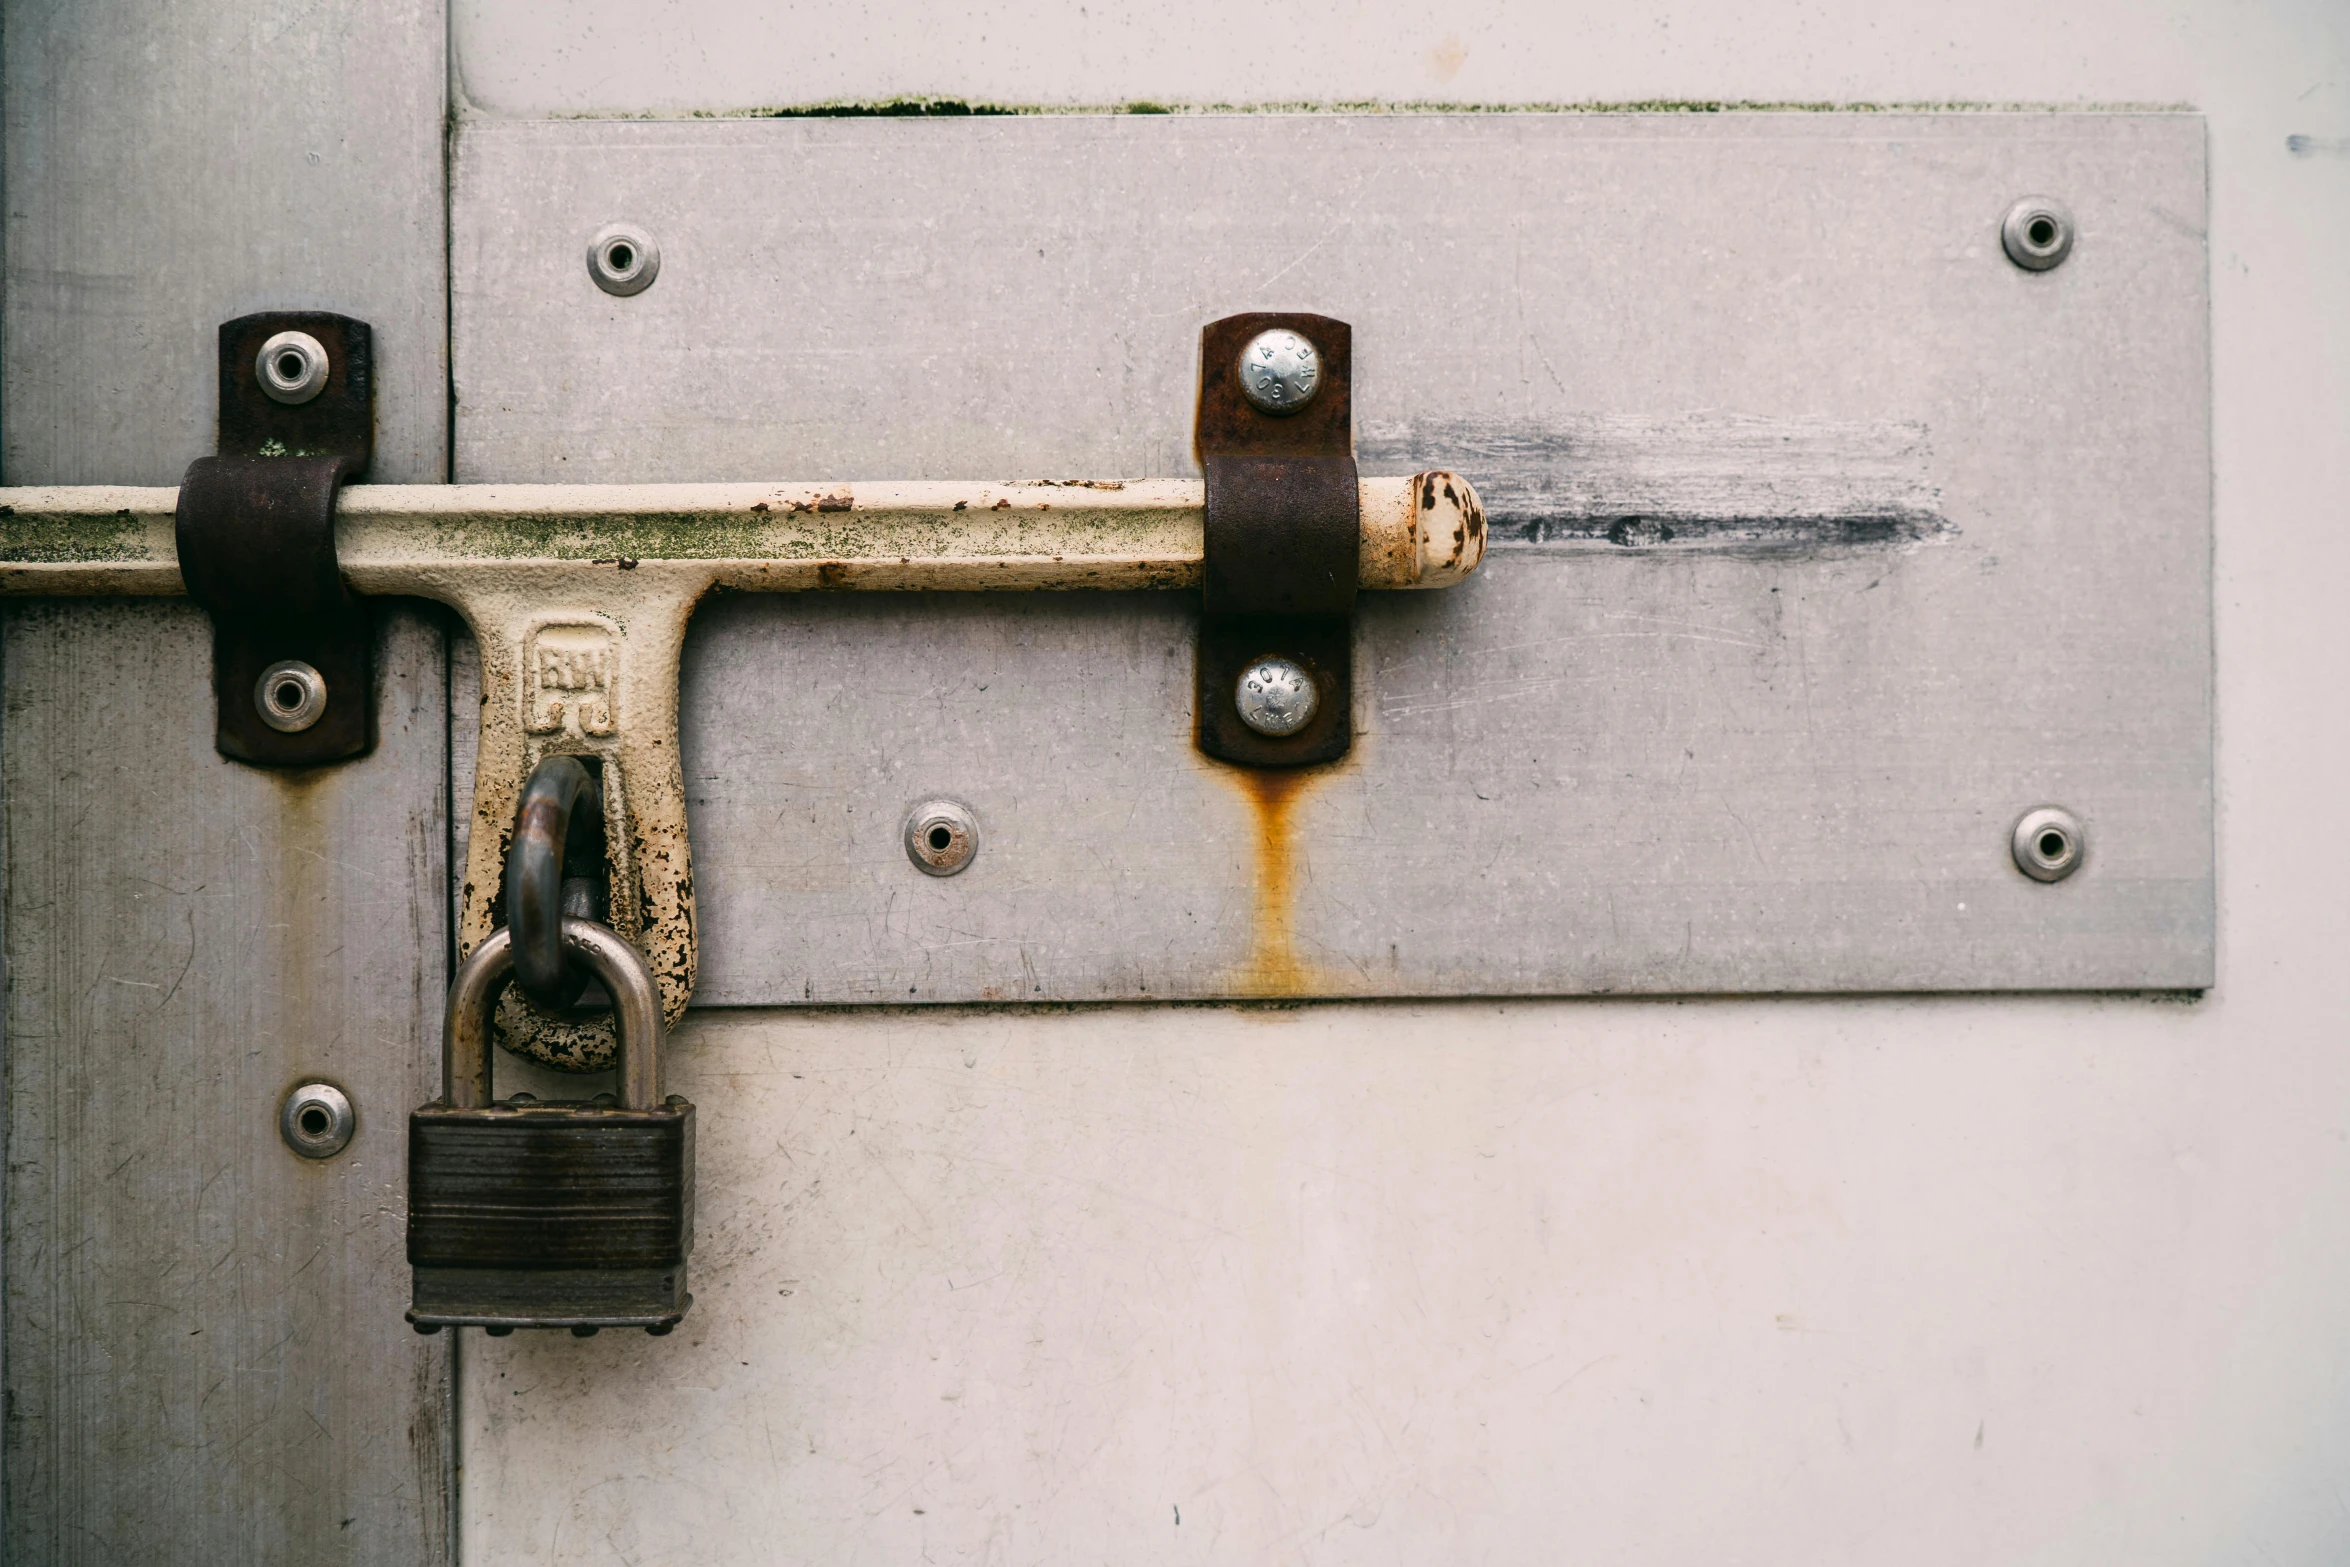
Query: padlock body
550	1215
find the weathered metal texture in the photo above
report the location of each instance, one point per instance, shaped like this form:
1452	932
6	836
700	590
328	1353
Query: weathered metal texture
169	168
206	1361
257	537
204	1358
562	1215
602	1195
550	1185
928	536
338	420
1281	540
1826	540
579	596
256	523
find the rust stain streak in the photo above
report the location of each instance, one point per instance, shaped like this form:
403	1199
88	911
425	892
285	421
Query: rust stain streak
1273	967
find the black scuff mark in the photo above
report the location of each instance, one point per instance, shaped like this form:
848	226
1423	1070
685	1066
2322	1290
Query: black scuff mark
1720	485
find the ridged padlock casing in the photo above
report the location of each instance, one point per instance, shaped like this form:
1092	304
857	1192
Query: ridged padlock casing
551	1215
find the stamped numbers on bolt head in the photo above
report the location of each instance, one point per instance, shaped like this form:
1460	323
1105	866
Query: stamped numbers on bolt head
1280	371
1276	697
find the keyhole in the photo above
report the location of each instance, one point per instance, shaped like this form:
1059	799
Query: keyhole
288	695
2043	232
2052	845
940	838
315	1121
289	367
620	257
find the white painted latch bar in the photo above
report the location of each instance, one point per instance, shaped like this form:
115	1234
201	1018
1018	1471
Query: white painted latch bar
579	596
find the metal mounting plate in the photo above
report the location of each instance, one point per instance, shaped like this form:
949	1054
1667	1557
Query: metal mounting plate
1827	541
257	547
1282	534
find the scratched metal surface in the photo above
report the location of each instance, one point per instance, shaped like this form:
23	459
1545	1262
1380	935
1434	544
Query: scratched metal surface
170	168
205	1359
1829	541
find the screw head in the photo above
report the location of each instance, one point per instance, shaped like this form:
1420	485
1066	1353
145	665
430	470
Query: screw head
316	1120
2037	233
292	367
623	259
1280	371
290	696
1276	697
2048	844
942	836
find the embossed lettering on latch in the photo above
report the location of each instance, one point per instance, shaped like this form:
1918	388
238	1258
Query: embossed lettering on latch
571	679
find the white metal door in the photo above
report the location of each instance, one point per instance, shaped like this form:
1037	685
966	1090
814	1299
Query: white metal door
1026	1275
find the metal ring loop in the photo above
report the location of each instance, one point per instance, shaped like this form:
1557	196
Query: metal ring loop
559	800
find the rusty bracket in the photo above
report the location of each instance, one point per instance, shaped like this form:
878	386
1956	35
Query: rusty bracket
255	534
1283	539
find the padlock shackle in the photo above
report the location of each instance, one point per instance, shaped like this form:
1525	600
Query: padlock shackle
636	1014
561	810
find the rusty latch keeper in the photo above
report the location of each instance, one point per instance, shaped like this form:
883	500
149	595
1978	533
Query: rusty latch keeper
256	542
1283	542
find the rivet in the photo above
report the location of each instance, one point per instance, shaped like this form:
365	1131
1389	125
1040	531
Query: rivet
2048	844
1279	371
942	836
1276	697
290	696
316	1120
623	259
291	367
2037	233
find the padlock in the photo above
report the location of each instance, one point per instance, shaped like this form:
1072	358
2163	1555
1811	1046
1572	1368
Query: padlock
561	1214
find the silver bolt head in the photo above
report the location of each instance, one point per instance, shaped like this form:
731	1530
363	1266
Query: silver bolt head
2048	844
623	259
316	1120
292	367
942	837
290	696
1280	371
1276	697
2037	233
